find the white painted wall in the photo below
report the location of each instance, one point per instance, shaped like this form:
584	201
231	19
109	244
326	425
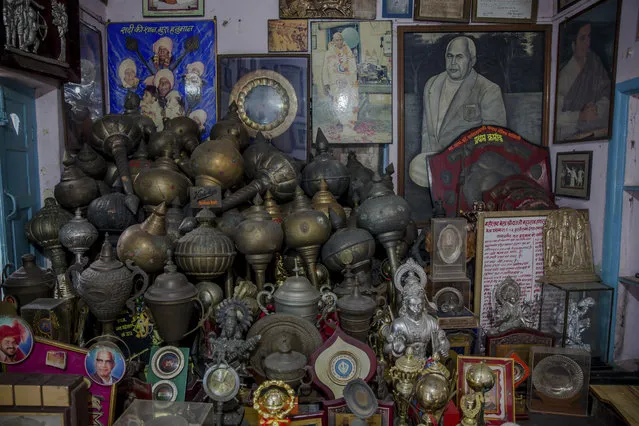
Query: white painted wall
50	128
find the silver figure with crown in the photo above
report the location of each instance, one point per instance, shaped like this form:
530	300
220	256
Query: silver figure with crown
414	328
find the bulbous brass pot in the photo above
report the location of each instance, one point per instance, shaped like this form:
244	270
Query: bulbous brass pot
270	169
186	130
75	189
204	253
109	214
323	201
146	244
231	125
28	283
258	237
163	182
90	162
306	230
217	162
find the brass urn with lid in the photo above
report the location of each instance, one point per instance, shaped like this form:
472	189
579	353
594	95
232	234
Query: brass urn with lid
297	296
356	311
106	286
306	230
325	167
170	300
28	283
258	237
146	243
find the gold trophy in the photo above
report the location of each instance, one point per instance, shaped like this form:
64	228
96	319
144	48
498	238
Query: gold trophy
404	373
273	401
480	379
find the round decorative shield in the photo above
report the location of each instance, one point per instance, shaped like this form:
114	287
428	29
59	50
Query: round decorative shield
360	399
266	102
343	367
167	362
558	376
449	244
449	299
165	390
16	340
105	363
221	383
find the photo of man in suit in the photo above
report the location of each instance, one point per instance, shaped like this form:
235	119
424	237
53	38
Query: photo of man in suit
104	362
455	100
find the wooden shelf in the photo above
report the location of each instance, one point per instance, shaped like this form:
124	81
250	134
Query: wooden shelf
629	280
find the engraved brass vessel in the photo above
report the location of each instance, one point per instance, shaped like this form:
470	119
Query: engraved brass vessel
217	162
28	283
106	286
163	182
75	189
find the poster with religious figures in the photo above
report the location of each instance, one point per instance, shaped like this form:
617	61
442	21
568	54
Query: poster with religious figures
169	65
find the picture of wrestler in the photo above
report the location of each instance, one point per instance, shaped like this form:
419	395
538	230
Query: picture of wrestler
16	340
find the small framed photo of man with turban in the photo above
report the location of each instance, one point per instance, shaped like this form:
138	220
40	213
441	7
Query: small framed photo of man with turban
16	340
172	8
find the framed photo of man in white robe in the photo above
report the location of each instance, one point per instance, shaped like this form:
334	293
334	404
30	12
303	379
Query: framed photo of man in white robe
586	69
455	78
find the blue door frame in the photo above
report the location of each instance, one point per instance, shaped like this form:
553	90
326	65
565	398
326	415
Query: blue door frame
615	174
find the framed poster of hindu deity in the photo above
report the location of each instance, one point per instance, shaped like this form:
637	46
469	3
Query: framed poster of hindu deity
169	65
352	81
510	249
586	69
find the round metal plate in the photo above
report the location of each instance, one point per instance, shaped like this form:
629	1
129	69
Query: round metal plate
266	102
558	376
305	338
360	399
165	390
167	362
449	299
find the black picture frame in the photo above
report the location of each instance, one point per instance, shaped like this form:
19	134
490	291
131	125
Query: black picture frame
523	79
584	98
573	176
296	69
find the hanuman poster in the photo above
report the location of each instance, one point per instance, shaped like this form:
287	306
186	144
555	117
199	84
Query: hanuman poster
169	65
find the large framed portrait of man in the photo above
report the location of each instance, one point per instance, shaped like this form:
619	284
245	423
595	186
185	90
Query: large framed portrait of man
586	74
352	70
456	78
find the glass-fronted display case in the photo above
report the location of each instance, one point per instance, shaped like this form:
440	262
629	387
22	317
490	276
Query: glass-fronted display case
578	315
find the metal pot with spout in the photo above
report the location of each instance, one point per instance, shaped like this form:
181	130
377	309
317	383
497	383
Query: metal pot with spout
28	283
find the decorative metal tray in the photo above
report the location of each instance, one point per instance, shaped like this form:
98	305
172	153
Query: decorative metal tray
558	376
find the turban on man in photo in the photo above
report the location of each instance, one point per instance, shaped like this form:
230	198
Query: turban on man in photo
127	71
10	338
199	116
162	49
195	68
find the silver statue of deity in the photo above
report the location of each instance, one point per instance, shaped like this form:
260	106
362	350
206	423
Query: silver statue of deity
61	21
25	28
414	328
509	311
578	323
